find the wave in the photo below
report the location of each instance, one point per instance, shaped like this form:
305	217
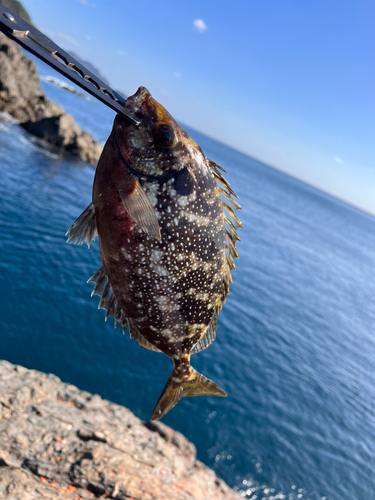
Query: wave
252	490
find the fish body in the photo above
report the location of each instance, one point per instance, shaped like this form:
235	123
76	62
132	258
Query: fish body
163	241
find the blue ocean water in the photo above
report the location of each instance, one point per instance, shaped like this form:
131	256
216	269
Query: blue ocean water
295	349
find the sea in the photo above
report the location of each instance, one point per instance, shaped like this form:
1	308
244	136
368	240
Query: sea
295	346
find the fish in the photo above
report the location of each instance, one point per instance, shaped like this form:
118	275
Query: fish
167	228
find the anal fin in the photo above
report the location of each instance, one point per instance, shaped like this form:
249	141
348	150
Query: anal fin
83	230
208	337
134	334
107	298
110	304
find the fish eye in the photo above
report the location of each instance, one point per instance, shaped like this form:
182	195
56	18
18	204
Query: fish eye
163	136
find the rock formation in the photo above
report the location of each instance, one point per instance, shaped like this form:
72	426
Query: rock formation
22	97
63	132
57	442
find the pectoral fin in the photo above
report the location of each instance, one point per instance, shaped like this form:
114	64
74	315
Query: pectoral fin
139	208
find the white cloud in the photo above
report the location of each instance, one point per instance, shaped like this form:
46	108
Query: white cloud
121	52
200	25
68	39
86	2
62	36
177	74
338	159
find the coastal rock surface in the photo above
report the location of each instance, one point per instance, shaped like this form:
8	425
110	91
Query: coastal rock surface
22	97
59	442
63	132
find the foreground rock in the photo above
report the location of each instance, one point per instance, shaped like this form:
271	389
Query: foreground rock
22	97
57	442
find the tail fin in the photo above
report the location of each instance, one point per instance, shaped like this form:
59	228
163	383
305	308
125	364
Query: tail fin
195	385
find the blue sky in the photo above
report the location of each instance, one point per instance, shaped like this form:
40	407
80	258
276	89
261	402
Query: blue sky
291	82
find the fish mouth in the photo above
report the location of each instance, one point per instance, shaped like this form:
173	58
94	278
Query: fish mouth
135	103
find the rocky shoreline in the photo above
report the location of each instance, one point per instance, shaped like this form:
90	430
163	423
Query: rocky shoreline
22	98
58	442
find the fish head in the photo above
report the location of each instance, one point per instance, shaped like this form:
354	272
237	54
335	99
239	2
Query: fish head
158	146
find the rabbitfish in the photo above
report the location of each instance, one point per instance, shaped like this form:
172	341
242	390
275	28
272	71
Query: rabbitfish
166	244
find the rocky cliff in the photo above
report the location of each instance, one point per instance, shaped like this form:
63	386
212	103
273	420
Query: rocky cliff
22	97
57	442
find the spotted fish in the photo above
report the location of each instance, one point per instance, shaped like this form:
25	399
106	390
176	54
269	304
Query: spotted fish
166	244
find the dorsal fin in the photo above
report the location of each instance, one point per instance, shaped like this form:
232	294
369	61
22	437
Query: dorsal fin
208	337
109	303
218	176
232	224
83	230
230	252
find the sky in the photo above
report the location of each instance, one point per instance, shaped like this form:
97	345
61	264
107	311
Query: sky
288	82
